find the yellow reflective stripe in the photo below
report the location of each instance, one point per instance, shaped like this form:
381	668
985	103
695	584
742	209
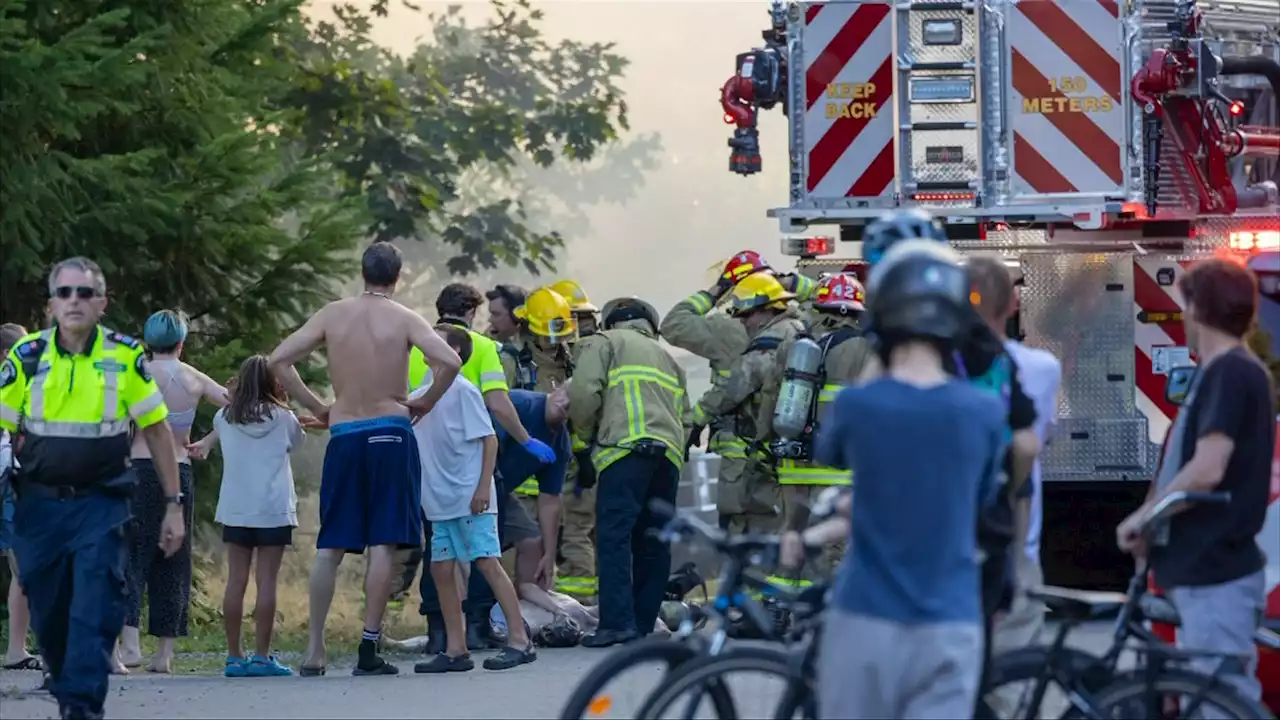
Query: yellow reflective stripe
805	287
146	405
577	585
729	448
528	487
578	444
9	415
724	373
791	472
700	301
829	392
699	416
82	430
788	582
640	373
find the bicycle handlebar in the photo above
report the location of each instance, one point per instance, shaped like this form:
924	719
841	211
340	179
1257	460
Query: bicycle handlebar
1165	507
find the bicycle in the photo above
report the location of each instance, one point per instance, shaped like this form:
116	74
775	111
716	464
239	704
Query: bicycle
1095	686
734	592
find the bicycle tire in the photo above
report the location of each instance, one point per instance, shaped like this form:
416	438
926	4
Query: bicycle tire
1180	682
651	649
705	670
1028	665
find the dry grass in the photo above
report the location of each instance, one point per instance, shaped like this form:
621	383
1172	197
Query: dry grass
346	617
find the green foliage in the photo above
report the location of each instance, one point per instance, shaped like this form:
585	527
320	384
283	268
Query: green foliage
229	157
1262	343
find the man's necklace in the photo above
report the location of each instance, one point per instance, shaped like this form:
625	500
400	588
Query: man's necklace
377	294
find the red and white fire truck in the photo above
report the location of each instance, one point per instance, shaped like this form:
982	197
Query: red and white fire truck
1099	146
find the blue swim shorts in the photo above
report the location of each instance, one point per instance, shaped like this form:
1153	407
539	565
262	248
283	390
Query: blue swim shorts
465	539
371	486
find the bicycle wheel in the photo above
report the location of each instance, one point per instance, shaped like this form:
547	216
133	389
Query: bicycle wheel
1027	667
706	676
590	699
1127	696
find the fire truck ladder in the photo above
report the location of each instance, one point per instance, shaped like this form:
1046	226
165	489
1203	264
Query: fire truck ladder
939	134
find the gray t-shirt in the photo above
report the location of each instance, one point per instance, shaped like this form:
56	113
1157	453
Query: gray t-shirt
451	445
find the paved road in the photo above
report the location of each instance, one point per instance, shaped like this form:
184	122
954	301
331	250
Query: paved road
533	691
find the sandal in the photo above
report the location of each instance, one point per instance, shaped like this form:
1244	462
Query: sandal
511	656
31	662
382	668
442	663
304	671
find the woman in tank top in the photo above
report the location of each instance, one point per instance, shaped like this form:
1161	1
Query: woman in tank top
166	580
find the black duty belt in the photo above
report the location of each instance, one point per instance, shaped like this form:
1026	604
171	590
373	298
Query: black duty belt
55	492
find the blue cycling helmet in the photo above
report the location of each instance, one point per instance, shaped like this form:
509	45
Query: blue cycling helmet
896	225
164	330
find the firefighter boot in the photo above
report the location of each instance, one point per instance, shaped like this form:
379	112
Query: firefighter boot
479	630
437	636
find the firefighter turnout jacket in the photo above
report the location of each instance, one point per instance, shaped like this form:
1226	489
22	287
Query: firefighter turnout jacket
626	389
530	366
75	410
738	395
848	358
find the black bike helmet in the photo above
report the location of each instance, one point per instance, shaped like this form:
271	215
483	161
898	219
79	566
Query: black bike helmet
898	225
920	290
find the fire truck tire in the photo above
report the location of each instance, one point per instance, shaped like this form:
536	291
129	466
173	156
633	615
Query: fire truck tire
1026	666
592	696
1128	695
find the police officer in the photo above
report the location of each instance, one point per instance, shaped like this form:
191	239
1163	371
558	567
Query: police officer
73	391
576	571
626	402
695	325
846	357
760	303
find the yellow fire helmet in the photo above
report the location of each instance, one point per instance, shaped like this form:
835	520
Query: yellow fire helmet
577	297
758	291
629	308
548	315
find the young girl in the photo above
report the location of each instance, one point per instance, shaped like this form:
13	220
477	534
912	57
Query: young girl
257	505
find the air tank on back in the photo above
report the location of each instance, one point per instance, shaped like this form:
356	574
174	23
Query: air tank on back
799	389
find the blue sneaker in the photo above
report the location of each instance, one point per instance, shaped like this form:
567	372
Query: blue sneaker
259	666
235	667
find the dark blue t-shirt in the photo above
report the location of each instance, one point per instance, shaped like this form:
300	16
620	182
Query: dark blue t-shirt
926	462
515	464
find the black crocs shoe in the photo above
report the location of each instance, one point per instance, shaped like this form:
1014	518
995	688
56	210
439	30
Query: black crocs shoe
442	663
510	657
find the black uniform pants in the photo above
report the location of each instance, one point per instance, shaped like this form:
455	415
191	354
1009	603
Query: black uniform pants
632	566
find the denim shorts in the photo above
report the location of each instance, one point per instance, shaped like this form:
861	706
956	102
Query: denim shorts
6	517
465	539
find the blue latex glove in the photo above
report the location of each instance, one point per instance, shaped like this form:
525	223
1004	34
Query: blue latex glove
540	450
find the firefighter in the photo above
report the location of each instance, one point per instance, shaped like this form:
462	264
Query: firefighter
692	325
804	379
76	390
576	570
626	402
760	303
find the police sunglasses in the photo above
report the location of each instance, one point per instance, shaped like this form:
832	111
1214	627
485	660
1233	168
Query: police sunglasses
81	291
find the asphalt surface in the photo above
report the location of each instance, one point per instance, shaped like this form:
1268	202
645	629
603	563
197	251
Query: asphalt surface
538	690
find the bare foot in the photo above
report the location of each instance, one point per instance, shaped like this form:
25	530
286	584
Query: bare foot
117	667
129	658
314	659
162	666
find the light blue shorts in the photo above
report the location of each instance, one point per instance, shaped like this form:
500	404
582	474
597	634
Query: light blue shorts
466	538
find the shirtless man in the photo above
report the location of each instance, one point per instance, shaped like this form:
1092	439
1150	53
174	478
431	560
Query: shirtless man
370	487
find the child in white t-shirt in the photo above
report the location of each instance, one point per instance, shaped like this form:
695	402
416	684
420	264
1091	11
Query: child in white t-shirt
459	452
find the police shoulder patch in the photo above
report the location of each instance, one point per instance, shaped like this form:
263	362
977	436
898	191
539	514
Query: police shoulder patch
122	339
140	367
30	349
8	373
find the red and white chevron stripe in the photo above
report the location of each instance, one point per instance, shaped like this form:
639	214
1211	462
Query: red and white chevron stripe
1154	298
1068	116
848	122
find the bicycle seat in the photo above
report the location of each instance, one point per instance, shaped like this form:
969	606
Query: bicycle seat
1078	604
1159	610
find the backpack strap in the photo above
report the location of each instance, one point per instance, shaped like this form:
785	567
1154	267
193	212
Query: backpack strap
763	343
833	339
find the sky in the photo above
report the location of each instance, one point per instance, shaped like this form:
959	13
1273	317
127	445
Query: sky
691	212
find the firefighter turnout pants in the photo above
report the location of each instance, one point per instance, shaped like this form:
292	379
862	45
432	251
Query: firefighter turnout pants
71	554
823	566
576	575
747	496
633	566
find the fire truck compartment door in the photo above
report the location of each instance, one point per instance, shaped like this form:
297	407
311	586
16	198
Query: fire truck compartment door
846	127
1066	98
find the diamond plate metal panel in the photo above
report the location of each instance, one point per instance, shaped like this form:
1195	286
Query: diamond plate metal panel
944	155
965	50
1099	449
1080	308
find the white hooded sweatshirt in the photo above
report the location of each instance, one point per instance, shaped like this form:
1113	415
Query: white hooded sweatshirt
257	480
